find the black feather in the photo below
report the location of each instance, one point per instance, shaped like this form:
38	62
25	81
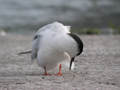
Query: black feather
72	60
80	47
79	43
35	37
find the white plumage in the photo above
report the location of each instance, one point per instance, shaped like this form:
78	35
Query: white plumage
52	45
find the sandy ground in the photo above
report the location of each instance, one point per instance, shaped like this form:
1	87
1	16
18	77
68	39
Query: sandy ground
97	68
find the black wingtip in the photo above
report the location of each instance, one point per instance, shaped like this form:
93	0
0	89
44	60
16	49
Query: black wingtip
72	60
79	42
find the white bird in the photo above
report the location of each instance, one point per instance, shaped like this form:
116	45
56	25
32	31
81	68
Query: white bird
53	43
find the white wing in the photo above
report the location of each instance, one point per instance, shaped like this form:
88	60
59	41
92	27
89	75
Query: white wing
47	32
55	27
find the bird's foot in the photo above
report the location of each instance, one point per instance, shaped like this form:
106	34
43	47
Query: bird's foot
59	74
47	74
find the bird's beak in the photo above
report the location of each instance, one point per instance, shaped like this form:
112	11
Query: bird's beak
72	60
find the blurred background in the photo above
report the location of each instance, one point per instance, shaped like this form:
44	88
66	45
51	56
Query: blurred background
85	16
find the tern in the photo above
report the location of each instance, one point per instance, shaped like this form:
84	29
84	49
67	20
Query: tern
53	44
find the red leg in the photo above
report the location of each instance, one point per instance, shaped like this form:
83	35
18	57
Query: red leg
45	73
60	72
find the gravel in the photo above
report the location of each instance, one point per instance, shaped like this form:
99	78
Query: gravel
97	68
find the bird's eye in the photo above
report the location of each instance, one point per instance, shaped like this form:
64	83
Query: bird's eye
35	37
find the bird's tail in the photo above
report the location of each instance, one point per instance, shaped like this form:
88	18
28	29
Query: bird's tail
25	52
